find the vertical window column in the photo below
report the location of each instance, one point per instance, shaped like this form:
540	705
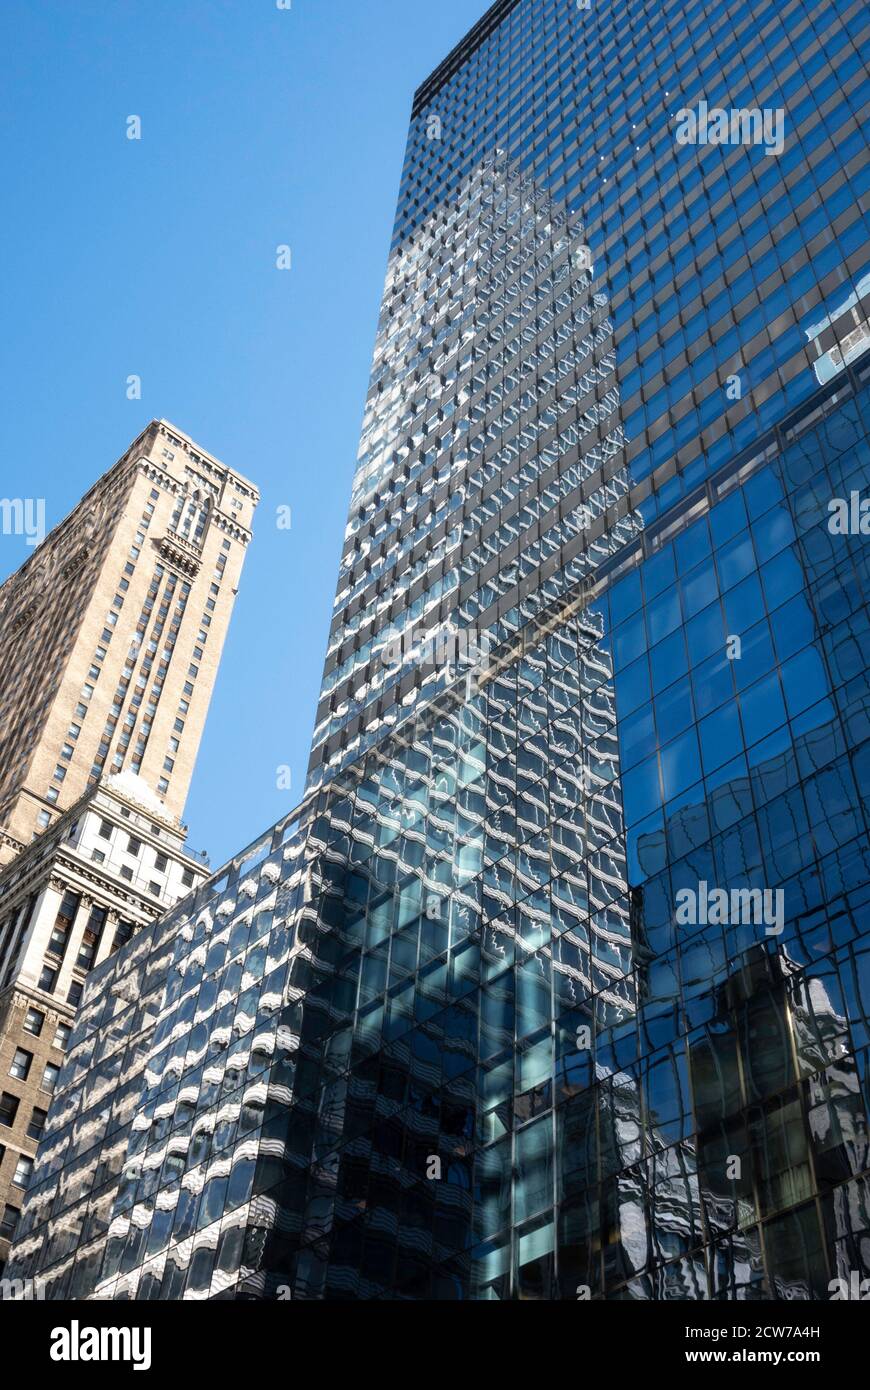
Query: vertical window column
9	947
106	942
31	937
76	940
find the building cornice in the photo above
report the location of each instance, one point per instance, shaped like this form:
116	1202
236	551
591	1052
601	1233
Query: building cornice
55	1009
60	870
207	462
108	886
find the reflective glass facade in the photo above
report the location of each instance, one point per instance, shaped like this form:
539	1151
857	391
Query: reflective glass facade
557	985
729	274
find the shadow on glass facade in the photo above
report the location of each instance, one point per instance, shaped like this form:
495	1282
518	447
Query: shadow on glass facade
557	985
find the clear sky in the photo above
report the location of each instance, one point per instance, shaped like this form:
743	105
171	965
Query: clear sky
156	257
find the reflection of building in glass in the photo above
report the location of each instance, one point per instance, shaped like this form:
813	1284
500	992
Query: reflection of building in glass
439	1034
491	466
843	335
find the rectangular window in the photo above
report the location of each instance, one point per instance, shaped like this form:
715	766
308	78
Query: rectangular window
37	1124
68	908
47	979
49	1076
160	863
105	830
8	1109
33	1022
9	1222
23	1171
122	935
87	950
74	994
62	1035
134	846
20	1068
57	941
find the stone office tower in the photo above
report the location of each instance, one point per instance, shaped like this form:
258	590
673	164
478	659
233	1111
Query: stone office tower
111	632
448	1031
110	640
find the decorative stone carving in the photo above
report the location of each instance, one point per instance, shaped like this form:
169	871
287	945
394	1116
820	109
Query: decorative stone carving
181	554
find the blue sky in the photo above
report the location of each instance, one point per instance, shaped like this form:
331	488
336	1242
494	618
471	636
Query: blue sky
259	127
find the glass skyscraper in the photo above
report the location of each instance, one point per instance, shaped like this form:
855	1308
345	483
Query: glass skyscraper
557	984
